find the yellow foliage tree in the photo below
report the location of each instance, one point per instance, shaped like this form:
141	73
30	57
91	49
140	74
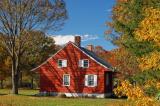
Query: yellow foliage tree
126	89
134	93
151	61
149	30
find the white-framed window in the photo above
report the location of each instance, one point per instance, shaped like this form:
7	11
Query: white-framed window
91	80
84	63
66	80
62	63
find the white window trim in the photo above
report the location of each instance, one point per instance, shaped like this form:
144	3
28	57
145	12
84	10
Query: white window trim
83	63
62	63
95	84
63	80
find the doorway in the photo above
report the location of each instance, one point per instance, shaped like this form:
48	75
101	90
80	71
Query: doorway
108	82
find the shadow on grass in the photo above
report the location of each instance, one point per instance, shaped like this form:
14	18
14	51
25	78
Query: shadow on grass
22	92
2	95
26	95
116	97
35	93
63	96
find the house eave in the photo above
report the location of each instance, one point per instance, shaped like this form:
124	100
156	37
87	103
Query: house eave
108	69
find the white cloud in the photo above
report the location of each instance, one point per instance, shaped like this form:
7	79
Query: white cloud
63	39
109	10
88	37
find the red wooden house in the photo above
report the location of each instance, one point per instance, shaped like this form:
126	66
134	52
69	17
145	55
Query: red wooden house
75	71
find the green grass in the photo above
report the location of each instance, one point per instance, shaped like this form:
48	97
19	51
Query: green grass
27	98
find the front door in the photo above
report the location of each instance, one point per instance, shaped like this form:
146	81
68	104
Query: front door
108	82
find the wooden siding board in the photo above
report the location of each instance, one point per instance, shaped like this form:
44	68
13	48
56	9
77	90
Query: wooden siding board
51	77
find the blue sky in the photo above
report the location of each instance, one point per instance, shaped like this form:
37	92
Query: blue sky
88	17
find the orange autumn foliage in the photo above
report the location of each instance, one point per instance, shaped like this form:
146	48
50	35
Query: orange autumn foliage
134	93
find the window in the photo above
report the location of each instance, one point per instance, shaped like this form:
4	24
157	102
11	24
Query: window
62	63
91	80
66	80
84	63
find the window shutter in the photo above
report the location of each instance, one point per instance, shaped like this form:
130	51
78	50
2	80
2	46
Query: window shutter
81	63
95	80
86	80
64	63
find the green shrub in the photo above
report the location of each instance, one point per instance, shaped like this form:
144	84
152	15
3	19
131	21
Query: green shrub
158	96
151	91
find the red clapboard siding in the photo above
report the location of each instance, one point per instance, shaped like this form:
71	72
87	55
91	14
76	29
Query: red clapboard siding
51	77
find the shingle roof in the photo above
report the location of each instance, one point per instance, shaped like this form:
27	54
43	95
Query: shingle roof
97	58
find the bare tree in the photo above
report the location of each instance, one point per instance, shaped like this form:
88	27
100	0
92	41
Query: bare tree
17	17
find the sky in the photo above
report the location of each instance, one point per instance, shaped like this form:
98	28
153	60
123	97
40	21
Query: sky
87	18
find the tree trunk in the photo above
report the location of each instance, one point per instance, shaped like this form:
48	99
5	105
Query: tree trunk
32	82
1	84
14	84
15	76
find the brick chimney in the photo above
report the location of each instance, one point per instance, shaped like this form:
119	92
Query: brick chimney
77	40
99	49
90	47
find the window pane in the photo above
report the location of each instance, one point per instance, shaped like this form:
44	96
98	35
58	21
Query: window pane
60	63
66	80
85	63
91	80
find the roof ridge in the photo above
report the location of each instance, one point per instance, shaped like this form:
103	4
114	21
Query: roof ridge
102	62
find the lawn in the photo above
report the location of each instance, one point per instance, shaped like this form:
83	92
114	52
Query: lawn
27	98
